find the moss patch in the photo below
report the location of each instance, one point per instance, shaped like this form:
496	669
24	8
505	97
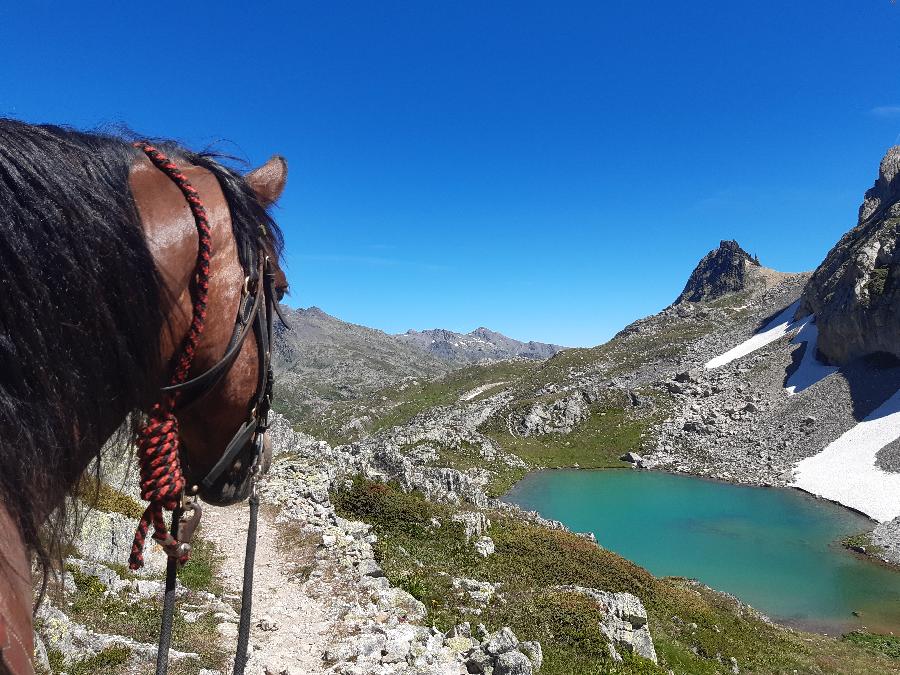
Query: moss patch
108	660
100	496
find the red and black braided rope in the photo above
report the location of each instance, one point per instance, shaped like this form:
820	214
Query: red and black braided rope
162	482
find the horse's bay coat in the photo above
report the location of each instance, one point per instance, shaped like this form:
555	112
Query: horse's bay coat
207	426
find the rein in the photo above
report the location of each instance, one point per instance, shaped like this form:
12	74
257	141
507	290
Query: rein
162	479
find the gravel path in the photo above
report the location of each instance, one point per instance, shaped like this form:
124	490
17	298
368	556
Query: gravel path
290	628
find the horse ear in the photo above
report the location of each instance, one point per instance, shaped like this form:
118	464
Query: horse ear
268	180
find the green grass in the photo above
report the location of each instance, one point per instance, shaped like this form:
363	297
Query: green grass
106	661
595	444
103	612
200	572
884	644
695	630
398	404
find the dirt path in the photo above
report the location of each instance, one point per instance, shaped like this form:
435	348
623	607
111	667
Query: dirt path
289	628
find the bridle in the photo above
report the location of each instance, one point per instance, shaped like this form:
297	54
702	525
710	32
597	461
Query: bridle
158	449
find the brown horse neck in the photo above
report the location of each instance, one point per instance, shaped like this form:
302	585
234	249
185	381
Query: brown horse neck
16	632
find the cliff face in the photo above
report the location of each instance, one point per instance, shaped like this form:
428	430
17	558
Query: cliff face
855	292
722	270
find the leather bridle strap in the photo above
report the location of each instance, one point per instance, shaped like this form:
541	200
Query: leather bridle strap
258	318
196	388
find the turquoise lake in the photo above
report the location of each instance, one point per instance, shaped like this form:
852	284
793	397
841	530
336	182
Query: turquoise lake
776	549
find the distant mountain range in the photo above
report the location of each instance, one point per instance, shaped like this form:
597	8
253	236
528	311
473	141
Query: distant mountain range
323	359
482	344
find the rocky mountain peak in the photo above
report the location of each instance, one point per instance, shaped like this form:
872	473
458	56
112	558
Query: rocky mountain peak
886	191
722	270
855	292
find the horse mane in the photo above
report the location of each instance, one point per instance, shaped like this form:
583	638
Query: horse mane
80	307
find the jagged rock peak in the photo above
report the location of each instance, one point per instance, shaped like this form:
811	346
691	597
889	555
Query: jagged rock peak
886	190
855	292
722	270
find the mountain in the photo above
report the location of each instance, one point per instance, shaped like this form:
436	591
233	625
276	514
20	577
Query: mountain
322	360
481	344
726	269
855	292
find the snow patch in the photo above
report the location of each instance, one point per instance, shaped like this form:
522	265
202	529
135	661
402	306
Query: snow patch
845	470
810	370
778	327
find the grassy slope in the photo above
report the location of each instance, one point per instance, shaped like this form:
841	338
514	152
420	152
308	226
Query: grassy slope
104	612
695	630
397	404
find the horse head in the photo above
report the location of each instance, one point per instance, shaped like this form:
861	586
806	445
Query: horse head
222	438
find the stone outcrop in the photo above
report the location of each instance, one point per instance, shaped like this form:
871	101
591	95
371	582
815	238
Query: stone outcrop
855	293
559	417
722	270
624	622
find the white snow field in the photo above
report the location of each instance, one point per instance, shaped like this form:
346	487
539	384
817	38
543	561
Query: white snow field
845	470
778	327
810	370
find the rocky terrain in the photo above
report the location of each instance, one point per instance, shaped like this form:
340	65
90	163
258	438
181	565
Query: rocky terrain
855	293
321	360
721	271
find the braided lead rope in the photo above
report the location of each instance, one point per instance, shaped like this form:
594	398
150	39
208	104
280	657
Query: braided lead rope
162	482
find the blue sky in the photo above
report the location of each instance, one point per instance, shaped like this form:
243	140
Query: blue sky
550	170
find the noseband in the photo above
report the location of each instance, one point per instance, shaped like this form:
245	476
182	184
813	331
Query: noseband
162	481
256	313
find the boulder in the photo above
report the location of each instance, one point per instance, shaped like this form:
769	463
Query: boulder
513	663
632	458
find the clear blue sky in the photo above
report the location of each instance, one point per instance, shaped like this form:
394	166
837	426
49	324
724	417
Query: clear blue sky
550	170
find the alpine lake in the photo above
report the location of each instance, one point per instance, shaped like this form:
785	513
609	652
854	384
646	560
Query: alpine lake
777	549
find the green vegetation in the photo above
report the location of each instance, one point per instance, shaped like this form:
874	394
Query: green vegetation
105	612
103	662
885	644
199	573
695	629
398	404
877	281
100	496
862	542
597	443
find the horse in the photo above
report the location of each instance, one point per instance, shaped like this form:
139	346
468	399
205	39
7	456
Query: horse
131	275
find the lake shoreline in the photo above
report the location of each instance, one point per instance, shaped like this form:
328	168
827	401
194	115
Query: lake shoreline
871	616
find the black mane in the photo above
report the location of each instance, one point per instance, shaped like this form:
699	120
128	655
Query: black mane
80	315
